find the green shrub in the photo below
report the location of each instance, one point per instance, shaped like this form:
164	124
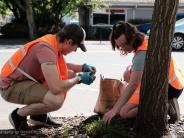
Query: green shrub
95	128
100	33
19	29
15	30
118	128
139	21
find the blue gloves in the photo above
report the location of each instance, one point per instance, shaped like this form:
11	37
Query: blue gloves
88	68
87	78
88	75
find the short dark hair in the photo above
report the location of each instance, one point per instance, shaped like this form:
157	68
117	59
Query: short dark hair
71	31
132	35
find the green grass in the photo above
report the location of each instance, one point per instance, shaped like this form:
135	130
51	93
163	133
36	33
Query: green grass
118	128
95	128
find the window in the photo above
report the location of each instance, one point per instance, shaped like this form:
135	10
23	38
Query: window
99	18
116	17
108	18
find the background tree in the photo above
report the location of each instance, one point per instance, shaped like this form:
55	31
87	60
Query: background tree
30	19
3	8
18	26
47	14
152	114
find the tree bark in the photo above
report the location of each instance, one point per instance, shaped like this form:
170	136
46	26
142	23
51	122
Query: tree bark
152	113
19	7
30	19
11	6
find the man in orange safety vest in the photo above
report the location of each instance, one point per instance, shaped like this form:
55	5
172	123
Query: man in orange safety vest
37	76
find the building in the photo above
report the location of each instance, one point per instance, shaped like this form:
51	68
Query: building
138	9
117	10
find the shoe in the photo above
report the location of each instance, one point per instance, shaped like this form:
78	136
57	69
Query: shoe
18	122
42	120
173	111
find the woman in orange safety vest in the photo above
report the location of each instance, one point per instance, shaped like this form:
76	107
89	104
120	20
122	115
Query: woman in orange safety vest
126	38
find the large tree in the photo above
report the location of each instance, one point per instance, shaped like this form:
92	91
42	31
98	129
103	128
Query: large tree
47	14
152	114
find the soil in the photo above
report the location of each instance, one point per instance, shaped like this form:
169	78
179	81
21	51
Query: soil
75	127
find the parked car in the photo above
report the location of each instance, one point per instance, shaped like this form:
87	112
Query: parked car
178	40
144	27
179	16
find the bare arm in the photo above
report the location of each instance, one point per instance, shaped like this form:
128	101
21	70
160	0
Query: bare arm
75	68
135	79
52	77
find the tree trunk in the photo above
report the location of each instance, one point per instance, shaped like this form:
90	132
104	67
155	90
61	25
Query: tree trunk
11	6
30	19
18	6
152	113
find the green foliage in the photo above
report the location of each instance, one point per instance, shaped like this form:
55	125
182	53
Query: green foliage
95	4
118	128
52	11
95	127
4	10
48	14
15	30
65	133
139	21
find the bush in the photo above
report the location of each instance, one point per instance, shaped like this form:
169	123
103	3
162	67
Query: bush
98	33
139	21
94	127
15	30
19	29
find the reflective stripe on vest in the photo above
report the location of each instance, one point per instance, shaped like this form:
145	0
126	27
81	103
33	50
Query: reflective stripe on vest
12	64
174	80
176	75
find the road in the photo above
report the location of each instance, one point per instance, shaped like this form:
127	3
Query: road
81	98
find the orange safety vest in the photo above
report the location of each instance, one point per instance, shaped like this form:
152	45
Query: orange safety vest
13	63
176	75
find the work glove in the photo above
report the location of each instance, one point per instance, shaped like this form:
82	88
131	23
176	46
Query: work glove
88	68
86	78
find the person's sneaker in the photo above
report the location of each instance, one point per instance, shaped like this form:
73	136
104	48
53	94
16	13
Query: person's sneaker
173	111
42	120
18	122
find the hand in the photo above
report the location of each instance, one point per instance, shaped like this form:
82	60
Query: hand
88	68
87	77
127	74
108	116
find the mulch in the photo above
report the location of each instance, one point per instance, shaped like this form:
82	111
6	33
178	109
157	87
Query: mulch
75	127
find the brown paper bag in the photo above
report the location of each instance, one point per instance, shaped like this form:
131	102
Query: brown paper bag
108	95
